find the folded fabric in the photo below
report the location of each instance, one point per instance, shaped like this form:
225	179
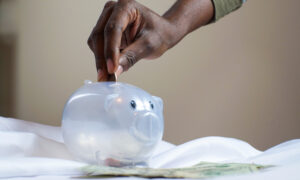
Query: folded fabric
210	149
31	166
31	149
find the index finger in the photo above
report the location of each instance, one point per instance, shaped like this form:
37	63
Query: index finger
96	41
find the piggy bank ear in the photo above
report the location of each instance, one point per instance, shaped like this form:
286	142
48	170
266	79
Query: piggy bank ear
159	102
109	101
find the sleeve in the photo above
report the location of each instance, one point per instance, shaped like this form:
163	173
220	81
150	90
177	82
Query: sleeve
224	7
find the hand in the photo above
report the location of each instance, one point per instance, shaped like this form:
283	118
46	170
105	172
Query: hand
128	31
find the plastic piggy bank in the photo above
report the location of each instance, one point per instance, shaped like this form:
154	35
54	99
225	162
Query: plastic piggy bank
111	123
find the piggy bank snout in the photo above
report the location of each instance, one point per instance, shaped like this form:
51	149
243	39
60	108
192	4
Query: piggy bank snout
147	127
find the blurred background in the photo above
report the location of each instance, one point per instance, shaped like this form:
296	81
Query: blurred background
238	77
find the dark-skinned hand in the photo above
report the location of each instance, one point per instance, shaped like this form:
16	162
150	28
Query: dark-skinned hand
127	32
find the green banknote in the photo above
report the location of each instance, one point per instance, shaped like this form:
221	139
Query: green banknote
201	170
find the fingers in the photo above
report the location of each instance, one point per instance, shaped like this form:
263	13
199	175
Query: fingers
116	25
123	35
96	41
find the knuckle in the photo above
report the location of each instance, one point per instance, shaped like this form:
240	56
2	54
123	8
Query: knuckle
131	58
125	2
112	26
150	44
95	35
90	42
109	4
120	7
124	5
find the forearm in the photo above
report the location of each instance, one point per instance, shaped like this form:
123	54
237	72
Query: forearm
188	15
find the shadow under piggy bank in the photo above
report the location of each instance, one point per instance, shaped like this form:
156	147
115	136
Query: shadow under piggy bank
112	123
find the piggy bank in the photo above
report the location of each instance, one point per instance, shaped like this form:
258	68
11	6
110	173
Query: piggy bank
112	123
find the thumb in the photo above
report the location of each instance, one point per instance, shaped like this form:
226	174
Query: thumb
133	53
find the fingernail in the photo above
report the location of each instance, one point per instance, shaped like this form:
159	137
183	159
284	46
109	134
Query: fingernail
100	74
119	71
110	66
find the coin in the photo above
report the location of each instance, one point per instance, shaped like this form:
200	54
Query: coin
112	77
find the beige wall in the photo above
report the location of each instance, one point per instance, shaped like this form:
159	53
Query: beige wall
238	78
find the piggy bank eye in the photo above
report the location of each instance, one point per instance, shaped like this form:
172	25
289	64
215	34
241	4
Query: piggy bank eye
133	104
151	105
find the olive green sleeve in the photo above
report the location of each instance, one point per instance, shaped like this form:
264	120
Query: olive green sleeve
223	7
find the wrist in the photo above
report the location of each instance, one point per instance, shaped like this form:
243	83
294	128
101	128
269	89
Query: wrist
175	32
187	15
178	20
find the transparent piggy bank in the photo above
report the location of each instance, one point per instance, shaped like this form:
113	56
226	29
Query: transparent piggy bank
112	123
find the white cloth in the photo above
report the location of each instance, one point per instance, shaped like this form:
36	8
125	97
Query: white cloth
31	149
